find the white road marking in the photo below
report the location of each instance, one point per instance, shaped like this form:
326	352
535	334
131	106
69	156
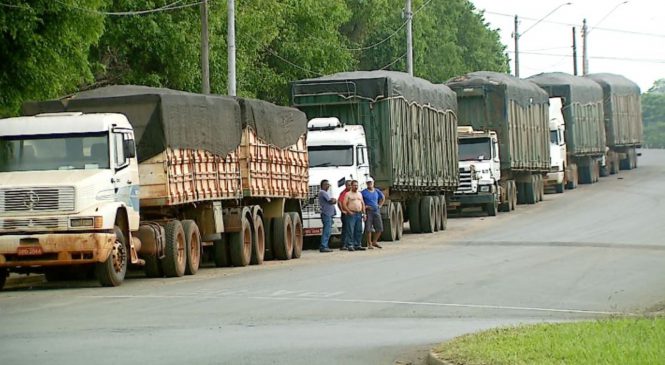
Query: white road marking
328	297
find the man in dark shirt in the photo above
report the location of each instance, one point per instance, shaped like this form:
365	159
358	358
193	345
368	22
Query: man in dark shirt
327	204
373	198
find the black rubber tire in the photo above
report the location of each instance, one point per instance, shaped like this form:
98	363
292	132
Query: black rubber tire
558	188
270	251
505	206
400	221
221	254
153	266
282	237
437	213
298	235
258	241
444	213
112	271
427	214
413	209
192	236
175	254
241	244
513	203
530	191
389	233
491	209
3	277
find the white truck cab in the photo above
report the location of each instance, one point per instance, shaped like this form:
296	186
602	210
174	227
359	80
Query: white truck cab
64	179
337	153
480	170
558	154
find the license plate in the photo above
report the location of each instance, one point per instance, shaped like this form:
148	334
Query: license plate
313	231
29	251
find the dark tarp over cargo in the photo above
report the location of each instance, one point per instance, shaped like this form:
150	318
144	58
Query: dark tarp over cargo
164	118
574	88
523	92
380	84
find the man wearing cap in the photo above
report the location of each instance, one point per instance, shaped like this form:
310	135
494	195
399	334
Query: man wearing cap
373	199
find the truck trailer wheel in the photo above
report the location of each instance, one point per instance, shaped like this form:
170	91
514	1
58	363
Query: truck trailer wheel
283	237
192	246
112	271
437	213
175	254
258	241
270	251
389	233
414	215
3	277
530	191
241	244
558	188
513	201
427	214
400	221
444	213
298	235
221	252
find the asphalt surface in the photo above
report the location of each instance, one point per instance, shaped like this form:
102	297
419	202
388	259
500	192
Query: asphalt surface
591	252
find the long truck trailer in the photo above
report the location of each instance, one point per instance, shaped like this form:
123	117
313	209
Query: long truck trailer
513	113
623	121
145	176
409	128
582	107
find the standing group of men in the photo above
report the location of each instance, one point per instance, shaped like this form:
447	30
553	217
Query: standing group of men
356	207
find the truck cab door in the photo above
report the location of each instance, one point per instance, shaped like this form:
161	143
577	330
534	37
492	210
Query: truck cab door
362	165
126	175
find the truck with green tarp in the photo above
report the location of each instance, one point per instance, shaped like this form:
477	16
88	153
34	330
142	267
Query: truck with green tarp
401	130
504	150
623	121
582	108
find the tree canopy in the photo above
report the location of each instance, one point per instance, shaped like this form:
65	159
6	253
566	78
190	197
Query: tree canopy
53	48
653	115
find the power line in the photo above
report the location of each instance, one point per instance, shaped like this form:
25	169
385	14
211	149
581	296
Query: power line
576	25
393	62
645	60
168	7
291	63
391	35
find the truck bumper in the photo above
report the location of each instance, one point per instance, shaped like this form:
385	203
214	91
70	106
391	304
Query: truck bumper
467	200
314	227
554	178
54	249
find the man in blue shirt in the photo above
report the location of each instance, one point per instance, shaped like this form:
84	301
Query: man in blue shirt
327	204
373	198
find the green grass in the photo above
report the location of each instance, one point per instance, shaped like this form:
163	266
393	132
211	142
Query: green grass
608	341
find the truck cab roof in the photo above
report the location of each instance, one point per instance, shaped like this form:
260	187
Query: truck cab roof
62	123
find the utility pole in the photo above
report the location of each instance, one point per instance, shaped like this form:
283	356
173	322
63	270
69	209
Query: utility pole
231	40
205	65
516	35
409	39
574	52
585	50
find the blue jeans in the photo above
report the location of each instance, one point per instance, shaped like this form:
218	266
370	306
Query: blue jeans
327	230
354	230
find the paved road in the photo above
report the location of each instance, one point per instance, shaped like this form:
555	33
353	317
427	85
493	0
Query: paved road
590	252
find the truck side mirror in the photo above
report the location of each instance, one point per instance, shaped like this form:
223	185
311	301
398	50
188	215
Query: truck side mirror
129	147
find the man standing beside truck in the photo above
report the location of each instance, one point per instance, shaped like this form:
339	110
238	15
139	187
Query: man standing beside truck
327	204
342	208
373	199
353	201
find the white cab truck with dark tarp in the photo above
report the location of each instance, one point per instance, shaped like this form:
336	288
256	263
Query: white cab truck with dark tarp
509	120
556	178
151	177
400	129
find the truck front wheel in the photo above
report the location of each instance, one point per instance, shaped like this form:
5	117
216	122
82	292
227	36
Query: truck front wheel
112	271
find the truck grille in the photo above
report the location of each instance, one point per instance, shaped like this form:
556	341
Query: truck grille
33	223
464	181
37	199
312	205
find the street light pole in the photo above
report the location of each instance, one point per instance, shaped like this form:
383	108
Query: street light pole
517	35
231	40
409	39
205	66
585	35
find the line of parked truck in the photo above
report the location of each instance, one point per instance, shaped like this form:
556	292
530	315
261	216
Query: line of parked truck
163	179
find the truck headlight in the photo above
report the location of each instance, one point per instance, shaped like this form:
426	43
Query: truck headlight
86	222
485	188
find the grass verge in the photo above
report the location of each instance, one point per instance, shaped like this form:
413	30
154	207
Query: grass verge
607	341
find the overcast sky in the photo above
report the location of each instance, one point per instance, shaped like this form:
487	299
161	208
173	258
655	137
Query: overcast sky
640	57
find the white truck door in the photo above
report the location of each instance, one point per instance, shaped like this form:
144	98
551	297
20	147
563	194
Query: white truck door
126	176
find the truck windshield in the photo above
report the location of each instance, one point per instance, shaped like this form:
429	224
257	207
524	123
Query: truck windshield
475	149
54	152
321	156
554	137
